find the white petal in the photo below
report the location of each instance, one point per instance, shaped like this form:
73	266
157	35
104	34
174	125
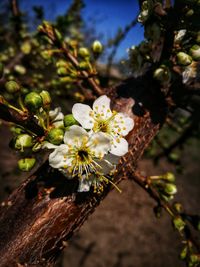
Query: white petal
100	144
82	113
105	167
119	148
84	185
75	135
124	122
58	158
101	106
49	145
56	117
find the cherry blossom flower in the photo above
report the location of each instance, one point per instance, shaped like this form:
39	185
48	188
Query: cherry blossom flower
102	119
82	153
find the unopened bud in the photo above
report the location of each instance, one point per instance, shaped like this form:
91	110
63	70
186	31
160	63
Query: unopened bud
189	13
84	65
162	74
26	48
84	52
62	71
169	176
46	98
55	136
198	37
20	69
195	259
183	253
179	224
23	141
69	120
36	147
12	87
26	164
195	52
170	189
33	101
97	47
184	59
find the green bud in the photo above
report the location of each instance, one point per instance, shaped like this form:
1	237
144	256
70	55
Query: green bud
195	52
169	176
26	164
1	70
55	136
26	48
189	13
23	141
162	74
84	65
84	52
173	156
184	59
179	224
97	47
33	101
61	63
58	35
69	120
195	259
20	69
170	189
183	253
62	71
46	98
12	87
178	207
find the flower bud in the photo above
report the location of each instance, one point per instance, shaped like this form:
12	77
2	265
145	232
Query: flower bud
23	141
184	59
62	71
183	253
1	70
189	13
179	224
170	189
26	48
84	65
46	98
36	147
97	47
84	52
198	37
55	136
26	164
194	259
20	69
12	87
69	120
169	176
33	101
195	52
162	74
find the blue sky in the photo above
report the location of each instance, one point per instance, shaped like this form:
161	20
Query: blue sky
110	15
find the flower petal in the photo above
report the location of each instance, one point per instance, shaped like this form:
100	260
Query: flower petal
125	124
82	113
100	144
101	106
105	167
49	145
84	185
58	158
75	135
119	148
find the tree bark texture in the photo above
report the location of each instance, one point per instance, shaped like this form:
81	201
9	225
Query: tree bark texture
46	210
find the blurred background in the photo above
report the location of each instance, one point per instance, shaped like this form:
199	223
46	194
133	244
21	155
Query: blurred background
123	232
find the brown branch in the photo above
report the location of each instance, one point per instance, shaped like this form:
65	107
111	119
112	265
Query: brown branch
15	8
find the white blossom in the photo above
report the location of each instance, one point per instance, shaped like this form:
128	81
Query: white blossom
56	117
102	119
82	153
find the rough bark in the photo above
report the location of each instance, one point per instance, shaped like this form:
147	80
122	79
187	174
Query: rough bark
45	211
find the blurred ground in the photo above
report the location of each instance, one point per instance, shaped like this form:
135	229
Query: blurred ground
123	232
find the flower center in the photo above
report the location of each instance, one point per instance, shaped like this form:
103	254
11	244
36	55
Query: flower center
102	126
83	155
